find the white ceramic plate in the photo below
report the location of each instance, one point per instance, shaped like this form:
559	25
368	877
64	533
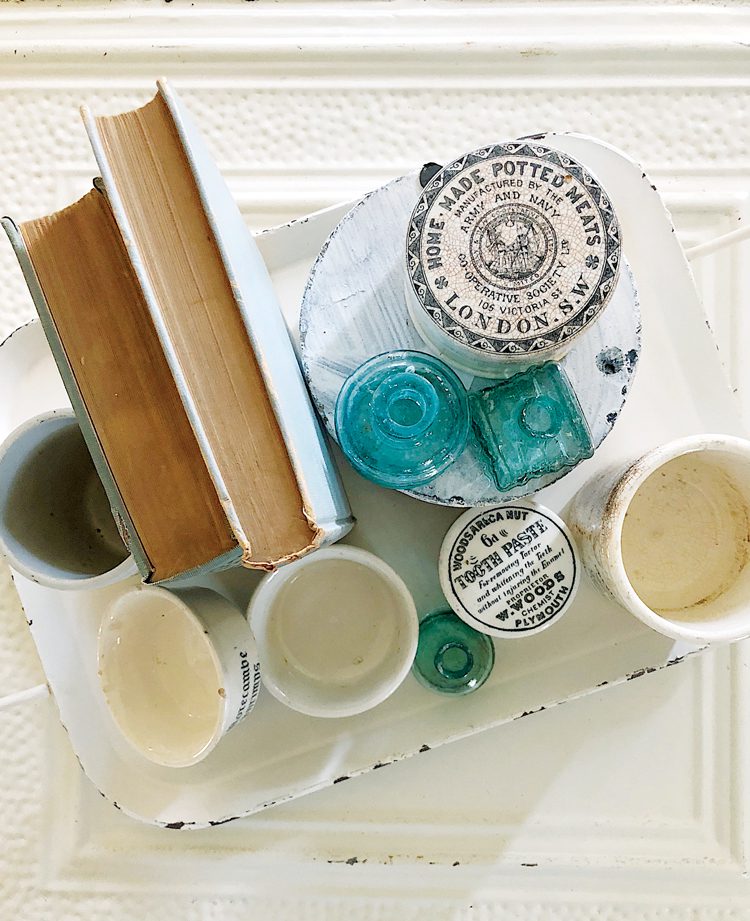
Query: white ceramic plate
277	754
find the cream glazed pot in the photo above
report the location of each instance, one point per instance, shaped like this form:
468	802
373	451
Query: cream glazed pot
178	670
668	537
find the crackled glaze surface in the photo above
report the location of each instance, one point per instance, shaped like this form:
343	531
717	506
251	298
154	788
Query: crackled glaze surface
513	249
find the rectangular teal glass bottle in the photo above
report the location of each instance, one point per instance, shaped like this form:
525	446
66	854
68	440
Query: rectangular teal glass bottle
530	425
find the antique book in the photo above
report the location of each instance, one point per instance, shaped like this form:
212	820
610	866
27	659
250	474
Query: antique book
171	343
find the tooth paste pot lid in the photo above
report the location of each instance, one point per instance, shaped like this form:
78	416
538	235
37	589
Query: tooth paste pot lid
510	570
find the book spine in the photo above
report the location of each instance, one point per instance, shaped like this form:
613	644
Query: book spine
123	521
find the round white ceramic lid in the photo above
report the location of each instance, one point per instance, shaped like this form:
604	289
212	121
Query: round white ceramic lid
509	570
513	248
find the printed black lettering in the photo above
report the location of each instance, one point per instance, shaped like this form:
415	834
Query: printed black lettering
580	287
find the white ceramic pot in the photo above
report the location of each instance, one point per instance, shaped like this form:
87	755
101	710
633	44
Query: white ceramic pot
668	537
178	670
56	525
336	632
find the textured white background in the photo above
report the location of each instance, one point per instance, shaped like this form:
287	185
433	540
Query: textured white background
629	804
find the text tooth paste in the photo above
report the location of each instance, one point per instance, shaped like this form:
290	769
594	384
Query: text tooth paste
509	570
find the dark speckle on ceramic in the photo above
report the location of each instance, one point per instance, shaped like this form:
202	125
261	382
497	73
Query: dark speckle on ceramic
610	361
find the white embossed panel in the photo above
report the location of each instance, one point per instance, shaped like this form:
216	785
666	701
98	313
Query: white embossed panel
629	804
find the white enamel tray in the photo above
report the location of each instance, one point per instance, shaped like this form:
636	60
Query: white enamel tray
276	754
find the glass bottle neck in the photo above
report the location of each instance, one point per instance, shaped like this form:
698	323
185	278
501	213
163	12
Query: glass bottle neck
404	405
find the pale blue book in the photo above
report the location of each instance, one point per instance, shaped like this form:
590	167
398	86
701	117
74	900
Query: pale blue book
168	335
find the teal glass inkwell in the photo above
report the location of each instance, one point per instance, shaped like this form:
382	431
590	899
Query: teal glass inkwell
402	418
452	657
530	425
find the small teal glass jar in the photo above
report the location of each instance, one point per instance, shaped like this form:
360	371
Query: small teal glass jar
402	418
530	425
452	657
